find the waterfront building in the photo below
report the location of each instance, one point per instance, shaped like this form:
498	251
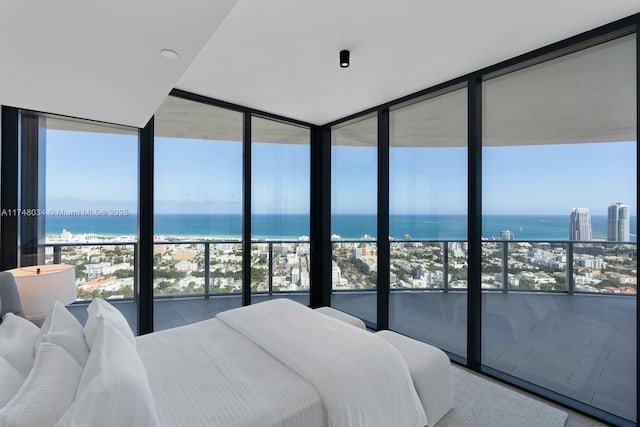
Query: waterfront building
507	235
580	225
618	223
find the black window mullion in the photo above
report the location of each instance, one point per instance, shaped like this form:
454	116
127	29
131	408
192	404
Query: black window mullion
144	296
246	210
383	220
32	160
9	188
474	176
320	217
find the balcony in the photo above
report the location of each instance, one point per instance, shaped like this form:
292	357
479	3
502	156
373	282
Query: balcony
574	335
185	268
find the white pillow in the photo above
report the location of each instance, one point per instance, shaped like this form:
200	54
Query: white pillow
10	381
63	329
47	392
17	337
101	307
114	388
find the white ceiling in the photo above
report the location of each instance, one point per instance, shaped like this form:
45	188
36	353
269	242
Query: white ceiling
281	56
101	60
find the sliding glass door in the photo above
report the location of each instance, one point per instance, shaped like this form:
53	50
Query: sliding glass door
198	212
559	174
428	220
280	201
354	204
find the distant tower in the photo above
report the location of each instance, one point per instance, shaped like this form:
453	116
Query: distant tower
580	225
507	235
618	223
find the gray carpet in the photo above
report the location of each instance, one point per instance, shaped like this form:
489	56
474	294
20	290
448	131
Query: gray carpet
482	403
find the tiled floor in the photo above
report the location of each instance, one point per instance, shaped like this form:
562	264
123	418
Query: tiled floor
580	346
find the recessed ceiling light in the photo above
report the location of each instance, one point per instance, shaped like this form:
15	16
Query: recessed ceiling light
169	54
344	58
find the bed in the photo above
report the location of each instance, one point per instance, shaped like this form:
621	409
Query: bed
277	363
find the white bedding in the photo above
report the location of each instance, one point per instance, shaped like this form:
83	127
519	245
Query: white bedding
207	374
362	379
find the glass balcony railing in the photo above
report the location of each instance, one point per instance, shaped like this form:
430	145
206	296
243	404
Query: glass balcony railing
280	266
428	265
533	266
414	265
185	268
354	265
103	270
204	268
560	266
197	268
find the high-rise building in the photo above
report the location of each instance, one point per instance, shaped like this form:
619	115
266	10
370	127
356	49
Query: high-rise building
580	225
507	235
618	223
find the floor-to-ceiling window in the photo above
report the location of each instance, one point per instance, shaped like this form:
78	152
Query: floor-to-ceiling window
80	179
559	173
354	204
280	201
428	220
197	211
559	200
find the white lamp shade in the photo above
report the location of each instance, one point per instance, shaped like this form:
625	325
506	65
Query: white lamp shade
40	286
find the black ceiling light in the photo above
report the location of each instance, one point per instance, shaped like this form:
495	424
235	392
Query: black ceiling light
344	58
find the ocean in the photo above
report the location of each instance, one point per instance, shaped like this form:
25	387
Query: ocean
419	227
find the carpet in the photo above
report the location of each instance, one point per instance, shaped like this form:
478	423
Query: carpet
482	403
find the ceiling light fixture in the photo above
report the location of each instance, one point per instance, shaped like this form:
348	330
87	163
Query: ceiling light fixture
344	58
169	54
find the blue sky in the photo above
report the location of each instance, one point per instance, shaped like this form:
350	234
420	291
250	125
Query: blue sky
195	176
92	170
540	179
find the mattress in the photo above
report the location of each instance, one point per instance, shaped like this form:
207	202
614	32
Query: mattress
207	374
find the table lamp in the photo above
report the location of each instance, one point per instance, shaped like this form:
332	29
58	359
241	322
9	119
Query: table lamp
40	286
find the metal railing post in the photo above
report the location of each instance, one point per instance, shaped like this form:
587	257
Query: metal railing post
57	254
505	266
207	270
270	260
445	266
570	268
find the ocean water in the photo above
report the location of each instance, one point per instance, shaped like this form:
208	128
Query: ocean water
419	227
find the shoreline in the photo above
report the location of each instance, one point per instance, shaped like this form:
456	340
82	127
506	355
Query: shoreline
428	227
88	238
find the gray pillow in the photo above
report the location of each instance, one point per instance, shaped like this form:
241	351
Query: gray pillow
9	295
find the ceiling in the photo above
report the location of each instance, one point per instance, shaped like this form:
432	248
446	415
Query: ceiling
180	118
586	96
101	60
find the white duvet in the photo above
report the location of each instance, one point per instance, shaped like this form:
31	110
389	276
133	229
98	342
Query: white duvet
208	375
363	380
